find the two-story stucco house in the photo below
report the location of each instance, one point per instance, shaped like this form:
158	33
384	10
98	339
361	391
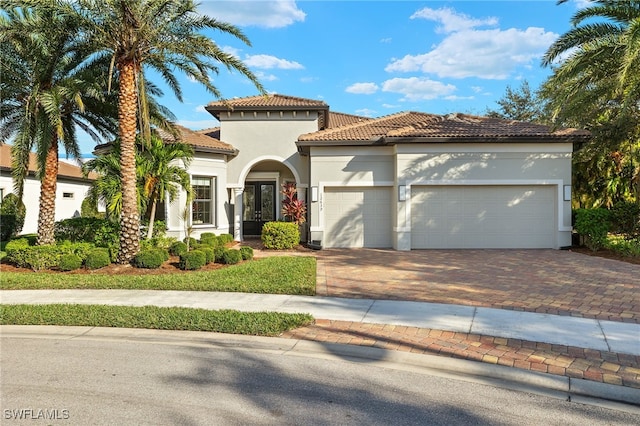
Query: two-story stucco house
409	180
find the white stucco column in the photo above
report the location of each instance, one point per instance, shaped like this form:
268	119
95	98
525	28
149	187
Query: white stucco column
237	213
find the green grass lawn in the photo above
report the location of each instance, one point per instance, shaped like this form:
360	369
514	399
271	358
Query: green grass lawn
153	317
271	275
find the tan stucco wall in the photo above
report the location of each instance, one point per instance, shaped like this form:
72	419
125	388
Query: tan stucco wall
262	139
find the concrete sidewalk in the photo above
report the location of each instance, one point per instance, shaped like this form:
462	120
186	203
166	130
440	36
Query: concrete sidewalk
600	335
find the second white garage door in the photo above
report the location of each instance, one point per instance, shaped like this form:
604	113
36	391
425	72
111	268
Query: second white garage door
357	217
483	217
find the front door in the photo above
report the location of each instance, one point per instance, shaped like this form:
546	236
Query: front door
259	206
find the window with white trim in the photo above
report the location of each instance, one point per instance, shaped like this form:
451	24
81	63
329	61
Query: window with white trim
204	197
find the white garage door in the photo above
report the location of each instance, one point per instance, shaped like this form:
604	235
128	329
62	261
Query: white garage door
483	217
357	217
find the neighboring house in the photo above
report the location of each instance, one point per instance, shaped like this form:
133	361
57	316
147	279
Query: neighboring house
71	189
406	181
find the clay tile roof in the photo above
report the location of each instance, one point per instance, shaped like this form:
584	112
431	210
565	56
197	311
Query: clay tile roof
422	127
64	169
338	119
266	102
204	140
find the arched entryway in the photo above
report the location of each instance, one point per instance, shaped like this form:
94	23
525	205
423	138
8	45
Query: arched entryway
259	200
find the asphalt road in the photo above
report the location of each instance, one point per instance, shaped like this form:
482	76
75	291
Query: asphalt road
123	379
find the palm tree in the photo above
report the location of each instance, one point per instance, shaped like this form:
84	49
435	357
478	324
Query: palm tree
45	93
597	85
163	35
162	173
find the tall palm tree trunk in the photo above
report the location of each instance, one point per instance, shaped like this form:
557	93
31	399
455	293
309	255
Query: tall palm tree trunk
127	108
46	215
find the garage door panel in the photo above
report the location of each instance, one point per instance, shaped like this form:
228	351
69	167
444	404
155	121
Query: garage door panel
357	217
483	217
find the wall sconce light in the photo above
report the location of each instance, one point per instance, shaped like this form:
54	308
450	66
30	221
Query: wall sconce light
567	192
402	193
314	194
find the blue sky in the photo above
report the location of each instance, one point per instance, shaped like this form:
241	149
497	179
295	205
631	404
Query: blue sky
375	58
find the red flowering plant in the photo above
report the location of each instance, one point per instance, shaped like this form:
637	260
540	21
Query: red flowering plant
293	209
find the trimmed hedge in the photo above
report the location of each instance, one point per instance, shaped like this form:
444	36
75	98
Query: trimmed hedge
246	252
97	258
594	225
280	235
192	260
70	262
178	248
231	257
149	259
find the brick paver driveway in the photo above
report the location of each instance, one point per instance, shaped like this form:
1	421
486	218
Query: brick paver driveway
547	281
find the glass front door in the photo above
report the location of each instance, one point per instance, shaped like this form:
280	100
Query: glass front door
259	206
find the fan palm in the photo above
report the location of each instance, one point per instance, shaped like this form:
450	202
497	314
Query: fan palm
45	93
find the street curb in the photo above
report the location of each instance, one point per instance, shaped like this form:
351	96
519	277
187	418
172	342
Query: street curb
502	376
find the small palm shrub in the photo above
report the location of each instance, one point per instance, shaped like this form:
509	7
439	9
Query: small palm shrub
149	259
192	260
231	257
97	258
280	235
70	262
246	253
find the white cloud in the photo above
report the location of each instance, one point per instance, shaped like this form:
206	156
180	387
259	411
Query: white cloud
366	112
452	21
265	77
488	54
270	62
266	14
231	51
362	88
418	88
386	40
200	109
390	106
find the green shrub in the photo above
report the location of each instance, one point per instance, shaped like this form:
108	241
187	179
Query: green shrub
101	232
192	260
246	252
218	253
231	257
209	253
594	225
13	212
89	208
210	239
97	258
70	262
149	259
226	238
625	219
18	243
79	249
624	246
190	241
280	235
178	248
36	258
